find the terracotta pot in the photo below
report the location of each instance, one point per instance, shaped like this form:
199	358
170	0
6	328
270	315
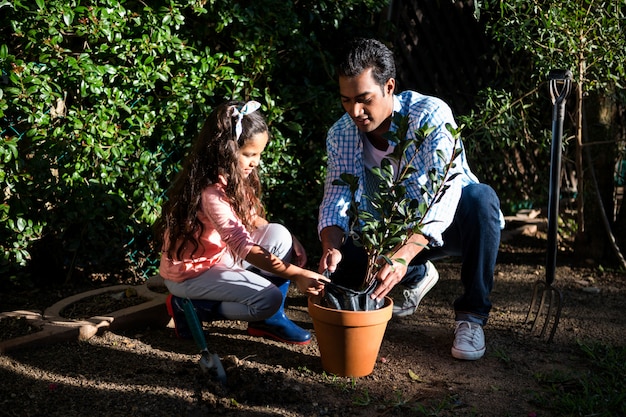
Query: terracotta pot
349	341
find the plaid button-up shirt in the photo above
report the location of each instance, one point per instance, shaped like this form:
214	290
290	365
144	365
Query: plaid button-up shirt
344	146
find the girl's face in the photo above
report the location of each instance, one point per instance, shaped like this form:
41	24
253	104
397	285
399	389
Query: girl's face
249	155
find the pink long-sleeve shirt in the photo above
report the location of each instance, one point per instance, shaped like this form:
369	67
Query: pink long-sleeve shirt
223	230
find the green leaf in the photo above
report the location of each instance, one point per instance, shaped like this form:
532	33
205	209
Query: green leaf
21	224
414	376
68	17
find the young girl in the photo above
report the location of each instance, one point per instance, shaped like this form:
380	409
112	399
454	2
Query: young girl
218	249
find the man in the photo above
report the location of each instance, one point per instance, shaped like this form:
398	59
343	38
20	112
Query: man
466	222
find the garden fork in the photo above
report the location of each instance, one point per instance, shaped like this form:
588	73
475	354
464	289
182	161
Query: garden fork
547	300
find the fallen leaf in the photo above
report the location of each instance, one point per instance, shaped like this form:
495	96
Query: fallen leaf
414	376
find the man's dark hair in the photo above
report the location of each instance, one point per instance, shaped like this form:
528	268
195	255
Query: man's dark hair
361	54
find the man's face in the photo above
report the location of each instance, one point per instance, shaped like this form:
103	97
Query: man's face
369	105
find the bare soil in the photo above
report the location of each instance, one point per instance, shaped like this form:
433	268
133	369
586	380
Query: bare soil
148	372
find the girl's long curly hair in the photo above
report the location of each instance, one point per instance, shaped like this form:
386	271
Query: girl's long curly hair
214	153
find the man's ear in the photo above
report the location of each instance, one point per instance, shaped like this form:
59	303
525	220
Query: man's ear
390	86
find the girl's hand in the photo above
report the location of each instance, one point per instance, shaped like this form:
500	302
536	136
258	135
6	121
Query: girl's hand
298	256
310	283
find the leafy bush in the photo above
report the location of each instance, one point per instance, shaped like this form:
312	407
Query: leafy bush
98	104
509	145
511	123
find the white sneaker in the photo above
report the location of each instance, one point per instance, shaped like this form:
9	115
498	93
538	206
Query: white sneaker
469	341
412	296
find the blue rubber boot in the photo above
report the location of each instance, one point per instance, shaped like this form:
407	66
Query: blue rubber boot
279	327
207	310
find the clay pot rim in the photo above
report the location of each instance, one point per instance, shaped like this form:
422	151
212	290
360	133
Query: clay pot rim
350	318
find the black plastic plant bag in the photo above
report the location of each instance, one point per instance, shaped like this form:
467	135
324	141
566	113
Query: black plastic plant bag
343	298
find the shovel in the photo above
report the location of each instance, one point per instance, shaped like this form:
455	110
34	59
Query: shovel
546	303
209	362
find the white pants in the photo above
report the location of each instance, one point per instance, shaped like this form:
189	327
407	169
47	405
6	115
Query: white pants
245	295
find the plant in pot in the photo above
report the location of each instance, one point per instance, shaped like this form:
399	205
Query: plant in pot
349	325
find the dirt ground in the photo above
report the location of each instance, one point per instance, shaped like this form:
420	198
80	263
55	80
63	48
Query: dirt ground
148	372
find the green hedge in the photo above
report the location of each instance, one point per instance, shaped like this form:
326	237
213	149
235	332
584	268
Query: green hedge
100	100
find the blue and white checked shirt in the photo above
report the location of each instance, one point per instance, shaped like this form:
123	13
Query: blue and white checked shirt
344	148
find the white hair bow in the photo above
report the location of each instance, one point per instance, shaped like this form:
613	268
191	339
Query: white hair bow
249	107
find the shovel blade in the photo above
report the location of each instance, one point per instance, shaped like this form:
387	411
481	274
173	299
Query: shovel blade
210	363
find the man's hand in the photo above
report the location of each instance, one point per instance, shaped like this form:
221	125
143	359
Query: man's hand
329	261
332	239
388	277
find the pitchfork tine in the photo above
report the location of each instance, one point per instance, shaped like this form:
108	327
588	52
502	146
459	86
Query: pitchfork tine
555	302
554	299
